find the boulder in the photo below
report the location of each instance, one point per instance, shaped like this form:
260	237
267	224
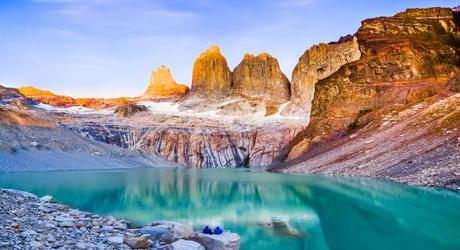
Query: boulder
115	240
261	76
129	109
138	242
155	231
162	84
46	198
186	245
224	241
211	74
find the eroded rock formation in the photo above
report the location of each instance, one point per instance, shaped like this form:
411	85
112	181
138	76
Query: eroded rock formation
129	109
211	75
317	63
197	143
260	76
162	84
405	59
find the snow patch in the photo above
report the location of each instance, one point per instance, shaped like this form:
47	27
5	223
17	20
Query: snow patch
75	110
171	108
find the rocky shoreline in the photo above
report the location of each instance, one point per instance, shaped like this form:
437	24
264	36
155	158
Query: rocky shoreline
29	222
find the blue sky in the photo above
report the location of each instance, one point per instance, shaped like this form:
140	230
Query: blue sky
108	48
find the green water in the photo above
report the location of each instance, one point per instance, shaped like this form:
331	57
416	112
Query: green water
320	212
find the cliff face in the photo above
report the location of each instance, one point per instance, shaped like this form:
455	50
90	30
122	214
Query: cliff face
405	59
260	76
198	145
162	84
211	74
317	63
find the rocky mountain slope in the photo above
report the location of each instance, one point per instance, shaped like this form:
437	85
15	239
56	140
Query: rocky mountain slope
408	59
35	142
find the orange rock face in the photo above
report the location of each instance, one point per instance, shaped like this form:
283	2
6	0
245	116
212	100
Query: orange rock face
211	75
162	84
405	59
261	76
47	97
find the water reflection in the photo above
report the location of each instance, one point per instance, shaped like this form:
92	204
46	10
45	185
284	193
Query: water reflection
270	211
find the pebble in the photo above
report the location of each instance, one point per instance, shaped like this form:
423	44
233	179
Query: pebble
27	222
117	240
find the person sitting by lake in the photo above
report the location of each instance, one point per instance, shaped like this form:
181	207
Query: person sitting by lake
207	230
217	230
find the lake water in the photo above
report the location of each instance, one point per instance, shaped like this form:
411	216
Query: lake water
310	212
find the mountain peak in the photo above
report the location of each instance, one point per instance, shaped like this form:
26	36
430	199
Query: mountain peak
163	84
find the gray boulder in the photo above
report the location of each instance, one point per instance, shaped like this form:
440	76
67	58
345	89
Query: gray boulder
224	241
186	245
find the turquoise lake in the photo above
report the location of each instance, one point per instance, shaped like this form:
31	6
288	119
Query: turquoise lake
315	212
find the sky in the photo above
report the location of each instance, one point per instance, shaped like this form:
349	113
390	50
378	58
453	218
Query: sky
108	48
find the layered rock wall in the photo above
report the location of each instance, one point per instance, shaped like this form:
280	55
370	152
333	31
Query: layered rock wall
405	59
200	147
317	63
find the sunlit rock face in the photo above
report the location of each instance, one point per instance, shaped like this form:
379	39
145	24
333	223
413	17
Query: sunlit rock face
404	60
260	76
211	75
47	97
317	63
162	84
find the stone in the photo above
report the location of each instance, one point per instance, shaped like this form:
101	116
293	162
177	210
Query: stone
155	231
162	84
66	224
169	237
35	244
129	109
81	246
46	198
138	242
115	240
181	230
211	74
260	76
107	229
224	241
186	245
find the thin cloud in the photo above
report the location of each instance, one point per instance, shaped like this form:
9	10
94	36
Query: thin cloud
294	3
